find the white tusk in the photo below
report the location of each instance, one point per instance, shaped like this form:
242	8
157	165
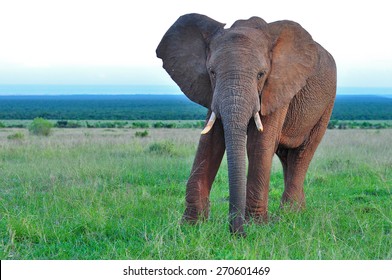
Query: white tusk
259	125
210	123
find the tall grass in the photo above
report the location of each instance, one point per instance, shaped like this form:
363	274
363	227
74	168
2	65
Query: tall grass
107	194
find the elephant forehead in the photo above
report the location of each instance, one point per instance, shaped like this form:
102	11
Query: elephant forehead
241	45
241	37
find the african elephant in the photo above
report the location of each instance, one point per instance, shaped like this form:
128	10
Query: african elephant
269	89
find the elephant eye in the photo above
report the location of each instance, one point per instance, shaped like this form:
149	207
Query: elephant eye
212	73
260	75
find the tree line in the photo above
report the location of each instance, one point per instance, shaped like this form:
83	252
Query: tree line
158	107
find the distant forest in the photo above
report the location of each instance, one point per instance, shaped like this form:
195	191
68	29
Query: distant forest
159	107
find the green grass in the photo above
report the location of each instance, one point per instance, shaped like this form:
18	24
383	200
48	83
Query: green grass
107	194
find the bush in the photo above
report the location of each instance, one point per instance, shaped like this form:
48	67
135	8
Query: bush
164	125
141	133
158	125
332	124
61	124
2	125
16	126
357	125
106	125
40	127
162	148
73	125
120	124
88	125
67	124
140	125
16	136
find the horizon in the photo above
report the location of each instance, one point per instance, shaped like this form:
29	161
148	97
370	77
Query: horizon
140	89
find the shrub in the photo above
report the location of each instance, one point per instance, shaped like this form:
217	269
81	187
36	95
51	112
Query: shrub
141	133
162	148
158	125
120	124
106	125
90	125
332	124
2	125
16	136
170	125
164	125
199	124
73	125
40	127
17	126
67	124
61	124
140	125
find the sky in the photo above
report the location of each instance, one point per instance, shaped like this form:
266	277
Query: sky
114	41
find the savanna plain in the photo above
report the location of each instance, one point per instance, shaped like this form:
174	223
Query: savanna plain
90	193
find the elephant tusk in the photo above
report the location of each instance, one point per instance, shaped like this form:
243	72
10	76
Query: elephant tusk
259	125
210	123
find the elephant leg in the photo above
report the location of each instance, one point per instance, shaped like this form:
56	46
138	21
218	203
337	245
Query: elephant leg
205	166
282	154
257	187
294	170
296	162
261	148
295	165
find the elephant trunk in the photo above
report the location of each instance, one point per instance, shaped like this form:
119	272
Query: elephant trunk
235	139
236	102
235	112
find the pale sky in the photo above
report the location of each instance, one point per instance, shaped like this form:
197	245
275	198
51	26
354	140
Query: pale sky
114	41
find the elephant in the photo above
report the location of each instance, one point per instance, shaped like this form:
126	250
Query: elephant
269	89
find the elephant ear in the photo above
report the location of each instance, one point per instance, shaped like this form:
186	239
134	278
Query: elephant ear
294	57
183	50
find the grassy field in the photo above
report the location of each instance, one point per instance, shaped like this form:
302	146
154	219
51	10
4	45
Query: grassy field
106	194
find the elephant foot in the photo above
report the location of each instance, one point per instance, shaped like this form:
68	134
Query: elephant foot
237	227
293	202
193	215
257	213
257	217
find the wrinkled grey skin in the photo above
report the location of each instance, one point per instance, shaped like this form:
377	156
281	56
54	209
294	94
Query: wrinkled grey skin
275	69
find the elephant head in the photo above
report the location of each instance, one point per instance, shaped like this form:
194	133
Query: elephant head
238	73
